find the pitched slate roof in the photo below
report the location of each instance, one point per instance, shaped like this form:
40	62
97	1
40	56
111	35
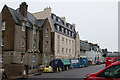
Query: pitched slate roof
40	22
18	18
62	24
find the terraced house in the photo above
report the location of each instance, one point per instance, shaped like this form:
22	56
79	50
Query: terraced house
25	39
65	38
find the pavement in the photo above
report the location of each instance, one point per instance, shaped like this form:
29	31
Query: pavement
71	73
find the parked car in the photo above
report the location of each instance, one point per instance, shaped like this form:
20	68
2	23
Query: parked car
111	72
48	69
110	60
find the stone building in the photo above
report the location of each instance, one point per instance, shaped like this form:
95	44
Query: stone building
23	39
63	35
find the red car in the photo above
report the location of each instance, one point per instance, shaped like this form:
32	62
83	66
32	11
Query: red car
110	60
111	72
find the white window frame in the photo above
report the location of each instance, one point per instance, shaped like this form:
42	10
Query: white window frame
23	26
2	41
58	27
22	42
66	31
46	32
3	25
69	33
34	30
62	29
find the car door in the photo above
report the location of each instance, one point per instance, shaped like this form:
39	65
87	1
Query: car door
111	73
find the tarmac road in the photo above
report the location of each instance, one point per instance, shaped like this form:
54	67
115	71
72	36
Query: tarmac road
75	73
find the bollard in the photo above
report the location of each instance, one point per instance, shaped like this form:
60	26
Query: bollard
57	69
67	68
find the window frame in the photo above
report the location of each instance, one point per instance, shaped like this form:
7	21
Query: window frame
23	27
34	43
46	32
3	41
22	42
3	25
34	30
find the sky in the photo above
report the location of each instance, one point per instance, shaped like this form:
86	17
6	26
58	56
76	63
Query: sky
96	20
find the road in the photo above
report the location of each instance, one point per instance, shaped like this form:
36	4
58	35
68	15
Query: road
75	73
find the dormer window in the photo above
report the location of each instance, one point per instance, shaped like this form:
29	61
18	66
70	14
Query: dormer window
58	27
62	29
69	33
23	26
59	20
72	34
66	31
68	26
34	30
3	25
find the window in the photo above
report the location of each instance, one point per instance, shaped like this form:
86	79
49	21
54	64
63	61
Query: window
62	50
34	43
23	26
2	41
34	30
111	72
62	29
66	41
58	44
62	40
66	51
23	42
22	57
69	33
66	31
69	51
70	42
33	58
46	32
58	27
46	46
72	34
72	47
3	25
59	20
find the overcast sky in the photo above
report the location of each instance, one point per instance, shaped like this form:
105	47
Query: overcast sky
96	20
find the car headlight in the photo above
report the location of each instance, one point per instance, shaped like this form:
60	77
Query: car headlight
87	76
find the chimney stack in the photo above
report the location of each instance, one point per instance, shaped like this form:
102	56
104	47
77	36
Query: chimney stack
73	25
64	19
23	9
47	11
